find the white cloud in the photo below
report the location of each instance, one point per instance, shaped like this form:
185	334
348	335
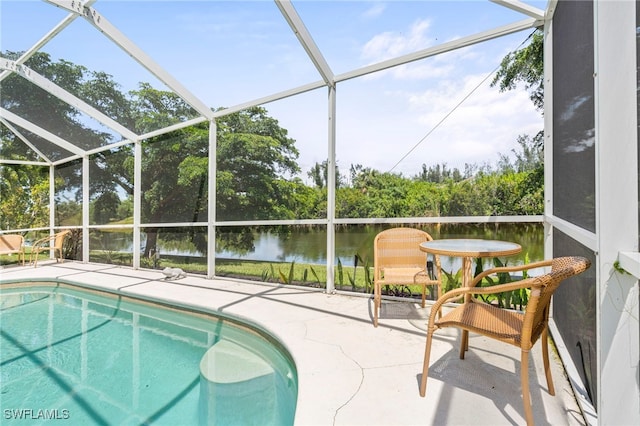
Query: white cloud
388	44
383	117
485	124
381	133
374	11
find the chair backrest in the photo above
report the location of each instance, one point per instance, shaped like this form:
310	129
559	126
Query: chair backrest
537	311
400	247
59	239
13	242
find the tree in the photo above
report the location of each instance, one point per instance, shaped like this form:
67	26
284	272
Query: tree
439	173
50	113
105	207
319	175
257	169
24	196
382	195
525	65
530	157
256	159
174	177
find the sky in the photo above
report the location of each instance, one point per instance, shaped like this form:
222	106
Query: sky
437	110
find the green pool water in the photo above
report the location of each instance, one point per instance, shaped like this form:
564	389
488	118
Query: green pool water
71	356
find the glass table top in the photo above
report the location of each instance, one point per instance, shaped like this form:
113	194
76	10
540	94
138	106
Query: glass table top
471	247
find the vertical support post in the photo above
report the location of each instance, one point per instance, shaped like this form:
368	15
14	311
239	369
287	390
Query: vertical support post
548	137
85	209
211	199
52	202
137	200
331	191
616	143
52	198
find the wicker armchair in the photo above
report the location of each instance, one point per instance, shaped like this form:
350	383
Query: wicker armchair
44	244
398	260
516	328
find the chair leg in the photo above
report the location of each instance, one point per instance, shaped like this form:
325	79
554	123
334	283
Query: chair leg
524	377
425	366
464	343
376	303
545	358
424	295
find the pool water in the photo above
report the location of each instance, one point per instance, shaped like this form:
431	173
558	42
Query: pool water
81	357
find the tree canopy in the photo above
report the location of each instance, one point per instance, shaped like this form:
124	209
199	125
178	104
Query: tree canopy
257	174
526	66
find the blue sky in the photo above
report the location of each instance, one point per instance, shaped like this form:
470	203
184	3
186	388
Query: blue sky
232	52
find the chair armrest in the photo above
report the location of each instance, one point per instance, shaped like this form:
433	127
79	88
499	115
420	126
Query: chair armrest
457	293
500	288
506	269
41	241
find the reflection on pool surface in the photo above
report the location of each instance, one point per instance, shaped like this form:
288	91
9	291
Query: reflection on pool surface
89	358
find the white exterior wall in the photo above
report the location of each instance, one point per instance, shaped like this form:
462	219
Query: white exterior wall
616	210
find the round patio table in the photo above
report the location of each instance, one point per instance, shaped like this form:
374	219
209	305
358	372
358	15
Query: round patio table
468	249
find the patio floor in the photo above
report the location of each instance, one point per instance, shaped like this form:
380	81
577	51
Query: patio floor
351	373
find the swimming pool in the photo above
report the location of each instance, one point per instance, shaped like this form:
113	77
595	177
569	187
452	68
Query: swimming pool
96	358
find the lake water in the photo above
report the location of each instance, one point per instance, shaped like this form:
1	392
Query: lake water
308	245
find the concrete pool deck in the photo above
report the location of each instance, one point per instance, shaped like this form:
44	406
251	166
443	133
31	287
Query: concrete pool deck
349	372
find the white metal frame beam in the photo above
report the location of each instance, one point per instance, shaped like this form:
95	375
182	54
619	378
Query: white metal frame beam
271	98
47	37
23	163
110	31
52	88
329	79
78	8
24	139
56	140
521	7
455	44
309	45
444	47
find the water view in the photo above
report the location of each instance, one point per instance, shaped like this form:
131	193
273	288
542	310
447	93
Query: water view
307	244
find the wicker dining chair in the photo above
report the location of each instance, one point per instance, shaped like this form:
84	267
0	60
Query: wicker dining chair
44	244
12	243
521	329
398	260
